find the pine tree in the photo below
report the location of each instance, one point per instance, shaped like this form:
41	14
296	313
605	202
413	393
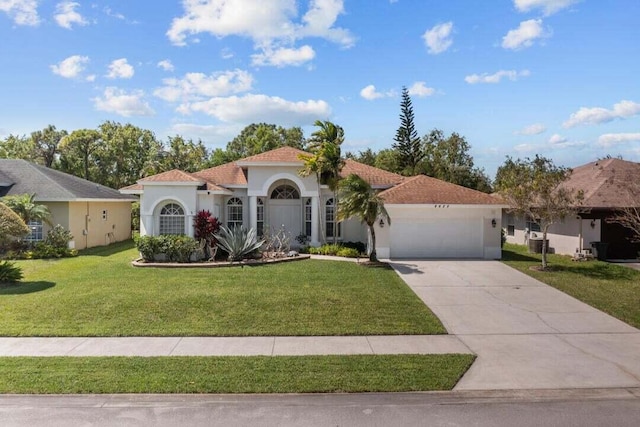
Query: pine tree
408	144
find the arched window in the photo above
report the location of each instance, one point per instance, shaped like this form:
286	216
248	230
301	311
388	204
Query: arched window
172	219
234	213
330	214
285	192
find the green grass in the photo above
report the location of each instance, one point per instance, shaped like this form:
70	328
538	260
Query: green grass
299	374
612	288
99	293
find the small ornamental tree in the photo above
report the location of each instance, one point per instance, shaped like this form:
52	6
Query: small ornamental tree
534	188
205	227
11	225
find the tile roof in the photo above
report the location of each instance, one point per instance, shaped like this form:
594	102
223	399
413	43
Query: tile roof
227	174
374	176
50	185
174	175
605	182
278	155
422	189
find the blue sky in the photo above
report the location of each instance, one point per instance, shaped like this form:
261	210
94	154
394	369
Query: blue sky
559	78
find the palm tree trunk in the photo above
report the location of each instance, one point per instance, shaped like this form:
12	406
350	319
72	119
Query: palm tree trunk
373	256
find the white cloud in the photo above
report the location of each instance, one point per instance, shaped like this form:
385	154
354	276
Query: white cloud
438	39
123	103
120	69
266	23
549	7
198	86
420	89
610	139
166	65
525	35
252	108
66	15
597	115
534	129
557	139
283	56
23	12
525	148
512	75
370	93
71	67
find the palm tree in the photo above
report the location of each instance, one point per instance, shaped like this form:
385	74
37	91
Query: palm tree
312	167
358	199
325	144
27	209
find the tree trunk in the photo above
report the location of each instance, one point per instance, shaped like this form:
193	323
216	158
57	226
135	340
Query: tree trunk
373	256
544	246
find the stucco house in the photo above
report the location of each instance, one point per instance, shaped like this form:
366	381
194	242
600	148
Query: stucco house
605	184
429	218
96	215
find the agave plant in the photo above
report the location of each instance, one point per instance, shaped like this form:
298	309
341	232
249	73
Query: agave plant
10	273
238	242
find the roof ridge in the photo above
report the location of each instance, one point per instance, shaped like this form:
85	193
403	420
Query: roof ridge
43	174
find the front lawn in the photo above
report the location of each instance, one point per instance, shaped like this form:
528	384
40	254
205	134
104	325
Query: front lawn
614	289
99	293
294	374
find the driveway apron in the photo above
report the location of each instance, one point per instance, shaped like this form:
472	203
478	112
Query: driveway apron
527	335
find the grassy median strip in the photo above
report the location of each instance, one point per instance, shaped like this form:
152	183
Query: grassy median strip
612	288
99	293
255	374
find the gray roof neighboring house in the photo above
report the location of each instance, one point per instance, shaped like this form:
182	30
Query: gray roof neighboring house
50	185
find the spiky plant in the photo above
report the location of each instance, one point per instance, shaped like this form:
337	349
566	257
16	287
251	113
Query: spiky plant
238	242
10	273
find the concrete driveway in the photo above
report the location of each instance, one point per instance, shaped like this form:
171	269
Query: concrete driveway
527	335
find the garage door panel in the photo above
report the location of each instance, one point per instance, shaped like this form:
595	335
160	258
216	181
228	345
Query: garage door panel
437	238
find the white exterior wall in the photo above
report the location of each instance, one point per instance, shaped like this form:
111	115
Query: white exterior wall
434	231
565	238
261	178
156	196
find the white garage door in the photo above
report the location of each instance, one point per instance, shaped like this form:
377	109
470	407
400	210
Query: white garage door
437	238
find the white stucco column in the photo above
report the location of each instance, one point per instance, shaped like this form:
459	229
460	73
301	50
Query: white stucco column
190	230
146	225
253	212
315	221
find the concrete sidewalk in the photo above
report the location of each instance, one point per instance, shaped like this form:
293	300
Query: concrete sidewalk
231	346
527	335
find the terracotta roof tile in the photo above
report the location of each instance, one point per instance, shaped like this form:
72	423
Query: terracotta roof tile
134	187
279	155
374	176
175	175
227	174
422	189
604	182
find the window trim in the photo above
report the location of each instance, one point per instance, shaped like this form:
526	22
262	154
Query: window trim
172	222
235	210
330	206
37	227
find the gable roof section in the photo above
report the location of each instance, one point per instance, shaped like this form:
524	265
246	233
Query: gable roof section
174	175
227	174
604	182
376	177
424	190
50	185
279	155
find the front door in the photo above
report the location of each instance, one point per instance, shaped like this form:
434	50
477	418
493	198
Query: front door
285	214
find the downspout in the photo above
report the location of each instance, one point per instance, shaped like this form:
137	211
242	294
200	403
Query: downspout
579	234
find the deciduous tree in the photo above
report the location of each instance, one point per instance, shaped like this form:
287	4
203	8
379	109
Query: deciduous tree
533	189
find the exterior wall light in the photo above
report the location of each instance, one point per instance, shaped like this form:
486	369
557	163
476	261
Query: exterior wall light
381	223
593	223
493	223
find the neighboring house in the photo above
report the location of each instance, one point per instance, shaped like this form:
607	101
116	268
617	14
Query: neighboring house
429	218
605	187
94	214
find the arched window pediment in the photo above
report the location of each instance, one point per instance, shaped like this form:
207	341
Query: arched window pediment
285	192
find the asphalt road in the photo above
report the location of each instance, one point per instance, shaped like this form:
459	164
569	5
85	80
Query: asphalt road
566	408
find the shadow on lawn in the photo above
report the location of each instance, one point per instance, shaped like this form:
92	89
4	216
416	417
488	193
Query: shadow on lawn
508	255
105	251
600	270
24	288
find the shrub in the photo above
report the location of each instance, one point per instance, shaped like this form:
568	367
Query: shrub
135	216
149	247
358	246
238	242
180	248
58	237
44	250
10	273
348	253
